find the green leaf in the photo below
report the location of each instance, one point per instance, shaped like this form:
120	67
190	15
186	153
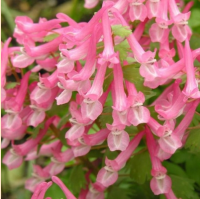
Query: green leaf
77	179
141	167
50	37
180	156
63	121
193	141
55	192
105	117
62	136
118	193
183	187
108	80
174	169
122	31
194	18
10	85
60	110
123	48
193	167
132	74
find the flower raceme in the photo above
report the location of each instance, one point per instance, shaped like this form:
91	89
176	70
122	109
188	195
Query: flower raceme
90	89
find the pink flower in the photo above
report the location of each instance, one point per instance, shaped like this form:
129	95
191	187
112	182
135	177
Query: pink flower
191	87
159	31
107	176
138	10
65	190
119	162
153	7
90	3
137	113
180	30
118	139
41	189
4	61
108	55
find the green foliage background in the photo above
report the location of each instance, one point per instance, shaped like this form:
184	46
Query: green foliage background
133	182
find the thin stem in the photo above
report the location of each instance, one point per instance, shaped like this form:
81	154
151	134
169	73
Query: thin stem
194	127
13	71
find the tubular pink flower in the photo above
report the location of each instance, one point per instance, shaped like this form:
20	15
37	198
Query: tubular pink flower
96	138
166	53
14	157
91	107
21	94
137	10
121	6
27	26
23	60
118	139
66	65
90	3
183	125
49	81
119	162
39	175
43	49
173	106
153	7
40	190
66	191
180	30
160	183
108	54
169	142
170	195
107	176
49	64
188	6
4	62
45	150
120	103
191	87
89	28
176	67
159	31
90	64
137	113
139	30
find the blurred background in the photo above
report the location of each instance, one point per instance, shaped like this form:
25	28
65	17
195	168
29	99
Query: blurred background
12	182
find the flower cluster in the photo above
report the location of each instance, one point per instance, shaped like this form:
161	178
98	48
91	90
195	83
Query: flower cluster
82	67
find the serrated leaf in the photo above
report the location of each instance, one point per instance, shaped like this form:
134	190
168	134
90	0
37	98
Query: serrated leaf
141	167
122	31
105	117
193	141
123	48
50	37
183	187
10	85
77	179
